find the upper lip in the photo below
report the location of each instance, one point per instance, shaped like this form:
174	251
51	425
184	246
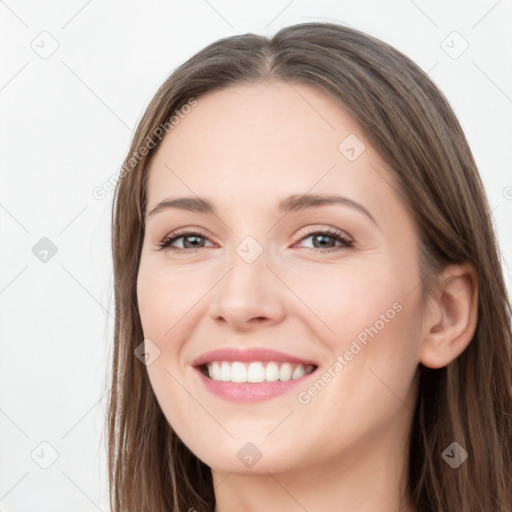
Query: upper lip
248	355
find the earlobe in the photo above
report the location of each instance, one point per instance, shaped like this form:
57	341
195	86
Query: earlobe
452	318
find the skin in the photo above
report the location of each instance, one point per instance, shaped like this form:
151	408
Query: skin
245	148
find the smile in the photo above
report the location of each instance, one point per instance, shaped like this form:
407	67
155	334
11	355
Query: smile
251	374
256	371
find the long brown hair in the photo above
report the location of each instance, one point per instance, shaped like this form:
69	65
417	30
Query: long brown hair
410	123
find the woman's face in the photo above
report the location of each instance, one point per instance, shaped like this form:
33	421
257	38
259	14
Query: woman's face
261	275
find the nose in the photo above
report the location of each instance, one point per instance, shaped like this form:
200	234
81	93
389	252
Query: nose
249	296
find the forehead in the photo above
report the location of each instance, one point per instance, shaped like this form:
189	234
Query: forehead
249	142
263	120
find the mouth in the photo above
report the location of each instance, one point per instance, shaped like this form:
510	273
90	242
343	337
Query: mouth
254	374
255	371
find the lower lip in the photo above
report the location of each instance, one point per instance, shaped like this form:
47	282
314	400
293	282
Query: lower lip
249	391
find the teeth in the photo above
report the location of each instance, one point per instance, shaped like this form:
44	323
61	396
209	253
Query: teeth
256	371
285	372
238	372
225	372
298	372
271	372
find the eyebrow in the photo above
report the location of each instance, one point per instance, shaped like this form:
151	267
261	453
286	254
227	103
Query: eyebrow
292	203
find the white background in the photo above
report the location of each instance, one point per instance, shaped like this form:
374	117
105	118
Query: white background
66	123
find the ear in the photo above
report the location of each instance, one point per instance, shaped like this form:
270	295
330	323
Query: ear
451	316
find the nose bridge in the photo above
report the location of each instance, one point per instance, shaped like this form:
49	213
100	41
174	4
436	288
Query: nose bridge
250	250
248	268
247	291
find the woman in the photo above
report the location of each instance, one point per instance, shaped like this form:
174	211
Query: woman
310	308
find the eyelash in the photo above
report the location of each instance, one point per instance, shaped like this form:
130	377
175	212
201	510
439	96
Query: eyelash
339	236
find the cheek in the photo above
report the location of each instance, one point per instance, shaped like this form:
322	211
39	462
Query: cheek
165	297
345	298
380	360
368	317
368	384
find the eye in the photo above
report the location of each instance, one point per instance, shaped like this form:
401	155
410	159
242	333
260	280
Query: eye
321	240
189	237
